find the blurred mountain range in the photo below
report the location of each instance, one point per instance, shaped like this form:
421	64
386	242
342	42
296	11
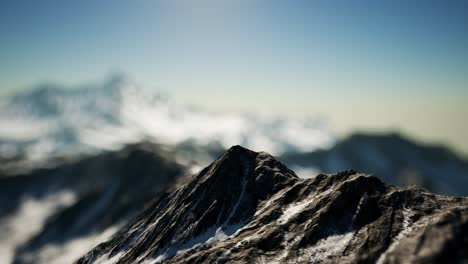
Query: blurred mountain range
391	157
56	214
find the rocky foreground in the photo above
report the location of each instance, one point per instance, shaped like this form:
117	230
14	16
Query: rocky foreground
247	207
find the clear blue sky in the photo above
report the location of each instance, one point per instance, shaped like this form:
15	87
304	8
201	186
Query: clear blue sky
405	60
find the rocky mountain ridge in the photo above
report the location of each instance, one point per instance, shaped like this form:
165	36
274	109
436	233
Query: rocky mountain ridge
248	207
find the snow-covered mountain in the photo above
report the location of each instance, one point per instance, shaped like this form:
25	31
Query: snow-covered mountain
56	214
248	207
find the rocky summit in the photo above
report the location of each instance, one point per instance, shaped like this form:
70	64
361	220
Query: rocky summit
247	207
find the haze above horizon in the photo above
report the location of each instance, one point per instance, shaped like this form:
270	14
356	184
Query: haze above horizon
365	65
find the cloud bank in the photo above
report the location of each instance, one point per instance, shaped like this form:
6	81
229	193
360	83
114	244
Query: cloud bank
54	121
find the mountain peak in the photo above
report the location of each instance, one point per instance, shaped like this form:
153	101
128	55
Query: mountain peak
238	166
217	201
248	207
239	150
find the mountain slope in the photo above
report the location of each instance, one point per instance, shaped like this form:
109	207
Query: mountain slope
248	207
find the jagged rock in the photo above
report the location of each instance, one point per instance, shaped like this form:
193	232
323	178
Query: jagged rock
248	207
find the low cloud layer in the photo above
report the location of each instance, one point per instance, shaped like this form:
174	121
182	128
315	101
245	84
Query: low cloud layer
53	121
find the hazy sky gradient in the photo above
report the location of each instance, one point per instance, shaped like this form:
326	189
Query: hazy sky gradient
364	64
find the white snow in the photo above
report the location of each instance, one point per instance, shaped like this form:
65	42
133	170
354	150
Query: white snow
407	228
104	259
293	210
297	207
329	246
212	235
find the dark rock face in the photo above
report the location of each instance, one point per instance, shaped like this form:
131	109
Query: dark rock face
247	207
107	190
